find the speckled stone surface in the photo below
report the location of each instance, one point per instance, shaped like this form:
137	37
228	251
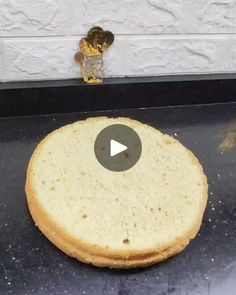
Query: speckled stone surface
30	264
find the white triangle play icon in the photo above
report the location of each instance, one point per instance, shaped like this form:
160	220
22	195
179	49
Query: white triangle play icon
116	147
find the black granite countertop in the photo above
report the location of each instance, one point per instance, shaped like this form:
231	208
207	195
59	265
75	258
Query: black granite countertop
30	264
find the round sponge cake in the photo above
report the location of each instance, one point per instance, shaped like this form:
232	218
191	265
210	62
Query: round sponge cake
124	219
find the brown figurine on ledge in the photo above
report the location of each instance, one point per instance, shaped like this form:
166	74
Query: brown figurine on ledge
90	56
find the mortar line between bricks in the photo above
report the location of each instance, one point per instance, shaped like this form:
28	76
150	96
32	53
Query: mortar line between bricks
138	36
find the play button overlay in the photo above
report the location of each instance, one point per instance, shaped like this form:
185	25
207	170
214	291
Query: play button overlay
118	147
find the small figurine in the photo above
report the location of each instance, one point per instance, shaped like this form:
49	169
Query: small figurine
90	56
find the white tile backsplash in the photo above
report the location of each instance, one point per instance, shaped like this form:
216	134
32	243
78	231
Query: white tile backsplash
40	59
152	37
34	17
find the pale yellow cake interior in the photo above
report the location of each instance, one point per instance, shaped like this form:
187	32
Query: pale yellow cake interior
147	207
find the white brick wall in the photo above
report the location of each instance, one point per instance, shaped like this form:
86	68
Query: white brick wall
38	38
